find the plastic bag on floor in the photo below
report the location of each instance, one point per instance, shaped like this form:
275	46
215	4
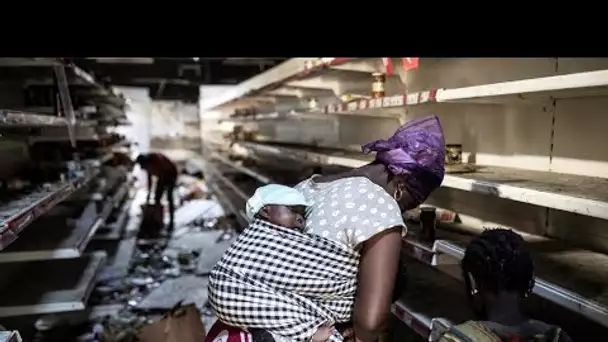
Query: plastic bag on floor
197	209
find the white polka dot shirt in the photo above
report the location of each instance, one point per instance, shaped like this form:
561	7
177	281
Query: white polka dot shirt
349	210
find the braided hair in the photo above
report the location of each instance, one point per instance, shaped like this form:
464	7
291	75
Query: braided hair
498	260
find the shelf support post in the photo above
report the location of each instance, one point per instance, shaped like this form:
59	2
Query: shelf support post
66	101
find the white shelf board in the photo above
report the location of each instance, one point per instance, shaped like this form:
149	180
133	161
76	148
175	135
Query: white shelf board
28	62
292	68
428	328
57	238
226	203
263	179
40	291
18	213
277	74
314	115
544	289
582	195
82	137
13	118
115	229
215	172
592	83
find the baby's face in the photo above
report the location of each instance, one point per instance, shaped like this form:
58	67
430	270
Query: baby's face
281	215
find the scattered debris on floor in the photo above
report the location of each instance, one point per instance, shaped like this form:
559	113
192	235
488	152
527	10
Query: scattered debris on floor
165	277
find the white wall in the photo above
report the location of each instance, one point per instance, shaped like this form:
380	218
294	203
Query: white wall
139	115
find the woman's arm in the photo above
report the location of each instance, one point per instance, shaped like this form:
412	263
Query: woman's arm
377	272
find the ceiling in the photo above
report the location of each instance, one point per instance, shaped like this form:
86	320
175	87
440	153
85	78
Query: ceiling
173	78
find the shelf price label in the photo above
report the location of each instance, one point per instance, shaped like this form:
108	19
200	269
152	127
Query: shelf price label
424	96
393	101
412	98
398	101
375	103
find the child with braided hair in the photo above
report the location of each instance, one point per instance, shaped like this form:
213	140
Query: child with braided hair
498	272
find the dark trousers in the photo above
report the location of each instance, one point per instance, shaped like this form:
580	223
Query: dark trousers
166	185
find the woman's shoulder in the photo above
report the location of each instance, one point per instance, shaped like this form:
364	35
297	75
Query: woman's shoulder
361	184
350	191
350	210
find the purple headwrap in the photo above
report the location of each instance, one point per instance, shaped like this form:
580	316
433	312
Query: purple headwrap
417	149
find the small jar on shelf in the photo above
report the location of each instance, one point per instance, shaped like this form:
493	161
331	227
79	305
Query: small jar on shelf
378	85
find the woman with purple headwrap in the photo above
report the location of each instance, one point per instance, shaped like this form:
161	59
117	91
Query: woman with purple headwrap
362	209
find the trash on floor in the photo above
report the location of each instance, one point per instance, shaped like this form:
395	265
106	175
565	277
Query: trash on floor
196	210
181	324
163	274
186	289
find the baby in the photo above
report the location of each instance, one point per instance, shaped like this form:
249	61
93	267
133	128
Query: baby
283	206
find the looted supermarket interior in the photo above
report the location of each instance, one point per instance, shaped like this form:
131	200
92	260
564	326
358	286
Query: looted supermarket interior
125	180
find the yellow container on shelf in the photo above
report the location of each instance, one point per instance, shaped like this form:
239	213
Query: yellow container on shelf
378	85
453	154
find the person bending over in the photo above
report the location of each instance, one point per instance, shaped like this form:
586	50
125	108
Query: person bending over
499	273
165	171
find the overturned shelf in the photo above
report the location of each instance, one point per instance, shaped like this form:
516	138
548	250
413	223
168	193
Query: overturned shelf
582	195
41	291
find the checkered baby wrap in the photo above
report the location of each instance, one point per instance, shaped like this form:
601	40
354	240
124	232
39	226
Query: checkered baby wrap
284	281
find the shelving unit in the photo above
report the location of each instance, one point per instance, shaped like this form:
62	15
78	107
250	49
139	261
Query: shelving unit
46	224
48	293
444	256
18	213
531	129
577	194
